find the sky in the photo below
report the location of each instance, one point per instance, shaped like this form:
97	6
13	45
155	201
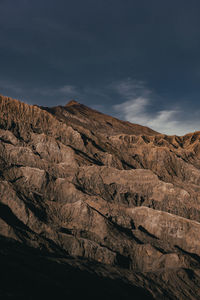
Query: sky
137	60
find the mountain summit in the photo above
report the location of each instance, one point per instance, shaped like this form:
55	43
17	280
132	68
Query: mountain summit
93	204
72	102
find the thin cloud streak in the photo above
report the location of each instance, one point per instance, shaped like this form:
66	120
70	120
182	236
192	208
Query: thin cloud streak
45	96
66	90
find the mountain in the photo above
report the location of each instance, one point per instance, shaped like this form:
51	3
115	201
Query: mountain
93	205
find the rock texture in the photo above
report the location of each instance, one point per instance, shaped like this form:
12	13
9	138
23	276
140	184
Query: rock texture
92	203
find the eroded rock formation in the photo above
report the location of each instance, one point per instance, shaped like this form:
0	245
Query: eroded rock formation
109	202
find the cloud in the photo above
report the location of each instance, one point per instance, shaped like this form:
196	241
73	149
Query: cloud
142	110
136	111
14	90
45	95
10	86
131	88
133	109
65	90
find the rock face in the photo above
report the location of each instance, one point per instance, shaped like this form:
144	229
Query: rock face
92	203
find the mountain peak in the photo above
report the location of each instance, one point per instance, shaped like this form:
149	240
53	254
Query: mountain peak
72	102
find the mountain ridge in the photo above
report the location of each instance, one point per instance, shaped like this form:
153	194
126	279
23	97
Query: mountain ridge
102	195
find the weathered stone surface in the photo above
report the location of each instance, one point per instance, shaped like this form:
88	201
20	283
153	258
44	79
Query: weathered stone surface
99	196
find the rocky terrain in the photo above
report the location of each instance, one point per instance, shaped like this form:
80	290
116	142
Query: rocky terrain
93	205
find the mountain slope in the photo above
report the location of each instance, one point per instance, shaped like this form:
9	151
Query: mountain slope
91	194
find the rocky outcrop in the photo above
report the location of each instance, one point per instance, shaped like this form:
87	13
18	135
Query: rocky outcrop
102	199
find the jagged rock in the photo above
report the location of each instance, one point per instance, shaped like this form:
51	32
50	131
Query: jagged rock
102	199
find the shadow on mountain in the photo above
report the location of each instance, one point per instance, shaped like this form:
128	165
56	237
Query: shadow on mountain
28	275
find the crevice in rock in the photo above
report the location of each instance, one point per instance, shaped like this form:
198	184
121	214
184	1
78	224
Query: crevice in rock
141	228
8	216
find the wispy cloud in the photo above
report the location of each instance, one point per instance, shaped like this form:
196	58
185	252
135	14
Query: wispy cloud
10	86
141	108
33	94
65	90
130	88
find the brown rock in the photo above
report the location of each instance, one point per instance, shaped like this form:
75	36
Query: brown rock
103	196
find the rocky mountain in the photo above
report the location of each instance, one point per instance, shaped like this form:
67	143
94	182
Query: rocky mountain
96	206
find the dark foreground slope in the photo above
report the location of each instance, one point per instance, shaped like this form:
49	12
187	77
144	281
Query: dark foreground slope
31	275
95	205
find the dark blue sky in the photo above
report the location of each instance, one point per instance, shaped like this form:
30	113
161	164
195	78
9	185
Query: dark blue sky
137	60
